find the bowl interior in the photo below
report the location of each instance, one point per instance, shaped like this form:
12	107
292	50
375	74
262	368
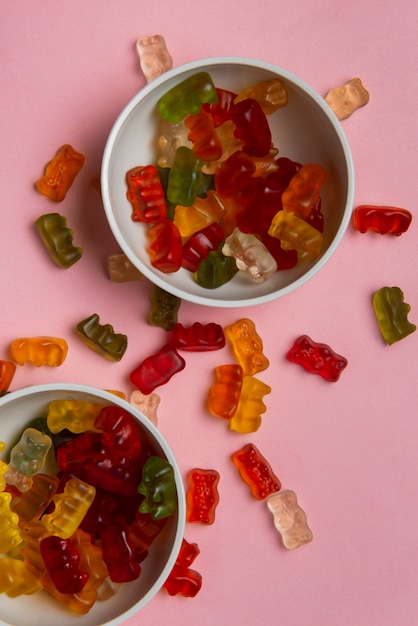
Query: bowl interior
305	130
16	410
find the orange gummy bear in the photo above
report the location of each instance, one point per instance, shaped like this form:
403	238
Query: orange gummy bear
60	173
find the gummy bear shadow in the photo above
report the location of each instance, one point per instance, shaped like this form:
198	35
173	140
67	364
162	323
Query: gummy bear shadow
88	221
83	205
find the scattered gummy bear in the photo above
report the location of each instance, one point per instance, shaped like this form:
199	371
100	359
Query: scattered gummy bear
202	496
256	471
39	351
347	98
60	173
224	394
157	369
197	337
154	57
182	579
147	404
58	239
317	358
247	417
392	314
289	519
247	346
381	219
101	338
164	308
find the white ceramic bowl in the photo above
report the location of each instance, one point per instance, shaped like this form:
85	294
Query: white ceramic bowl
16	410
306	130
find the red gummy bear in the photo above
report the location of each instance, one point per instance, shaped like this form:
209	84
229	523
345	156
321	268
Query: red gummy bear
317	358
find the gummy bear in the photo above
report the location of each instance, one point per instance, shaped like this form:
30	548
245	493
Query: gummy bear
58	239
185	177
303	190
295	233
216	270
7	372
91	559
146	194
157	369
205	141
119	553
247	417
33	502
289	519
60	173
165	246
70	508
250	255
187	97
197	337
202	496
62	564
391	312
120	434
170	137
39	351
164	308
256	471
77	416
183	580
146	403
15	579
154	57
159	488
202	213
271	95
247	346
27	458
198	246
252	127
317	358
101	338
381	219
347	98
224	394
10	535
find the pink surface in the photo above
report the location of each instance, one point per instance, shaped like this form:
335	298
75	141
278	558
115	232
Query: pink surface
348	448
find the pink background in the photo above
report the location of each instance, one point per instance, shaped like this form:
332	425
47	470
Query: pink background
348	449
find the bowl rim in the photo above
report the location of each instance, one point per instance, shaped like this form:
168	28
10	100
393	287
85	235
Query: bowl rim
108	396
196	65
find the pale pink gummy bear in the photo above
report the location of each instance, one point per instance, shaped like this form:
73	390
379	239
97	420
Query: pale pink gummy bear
289	519
154	57
147	404
347	98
